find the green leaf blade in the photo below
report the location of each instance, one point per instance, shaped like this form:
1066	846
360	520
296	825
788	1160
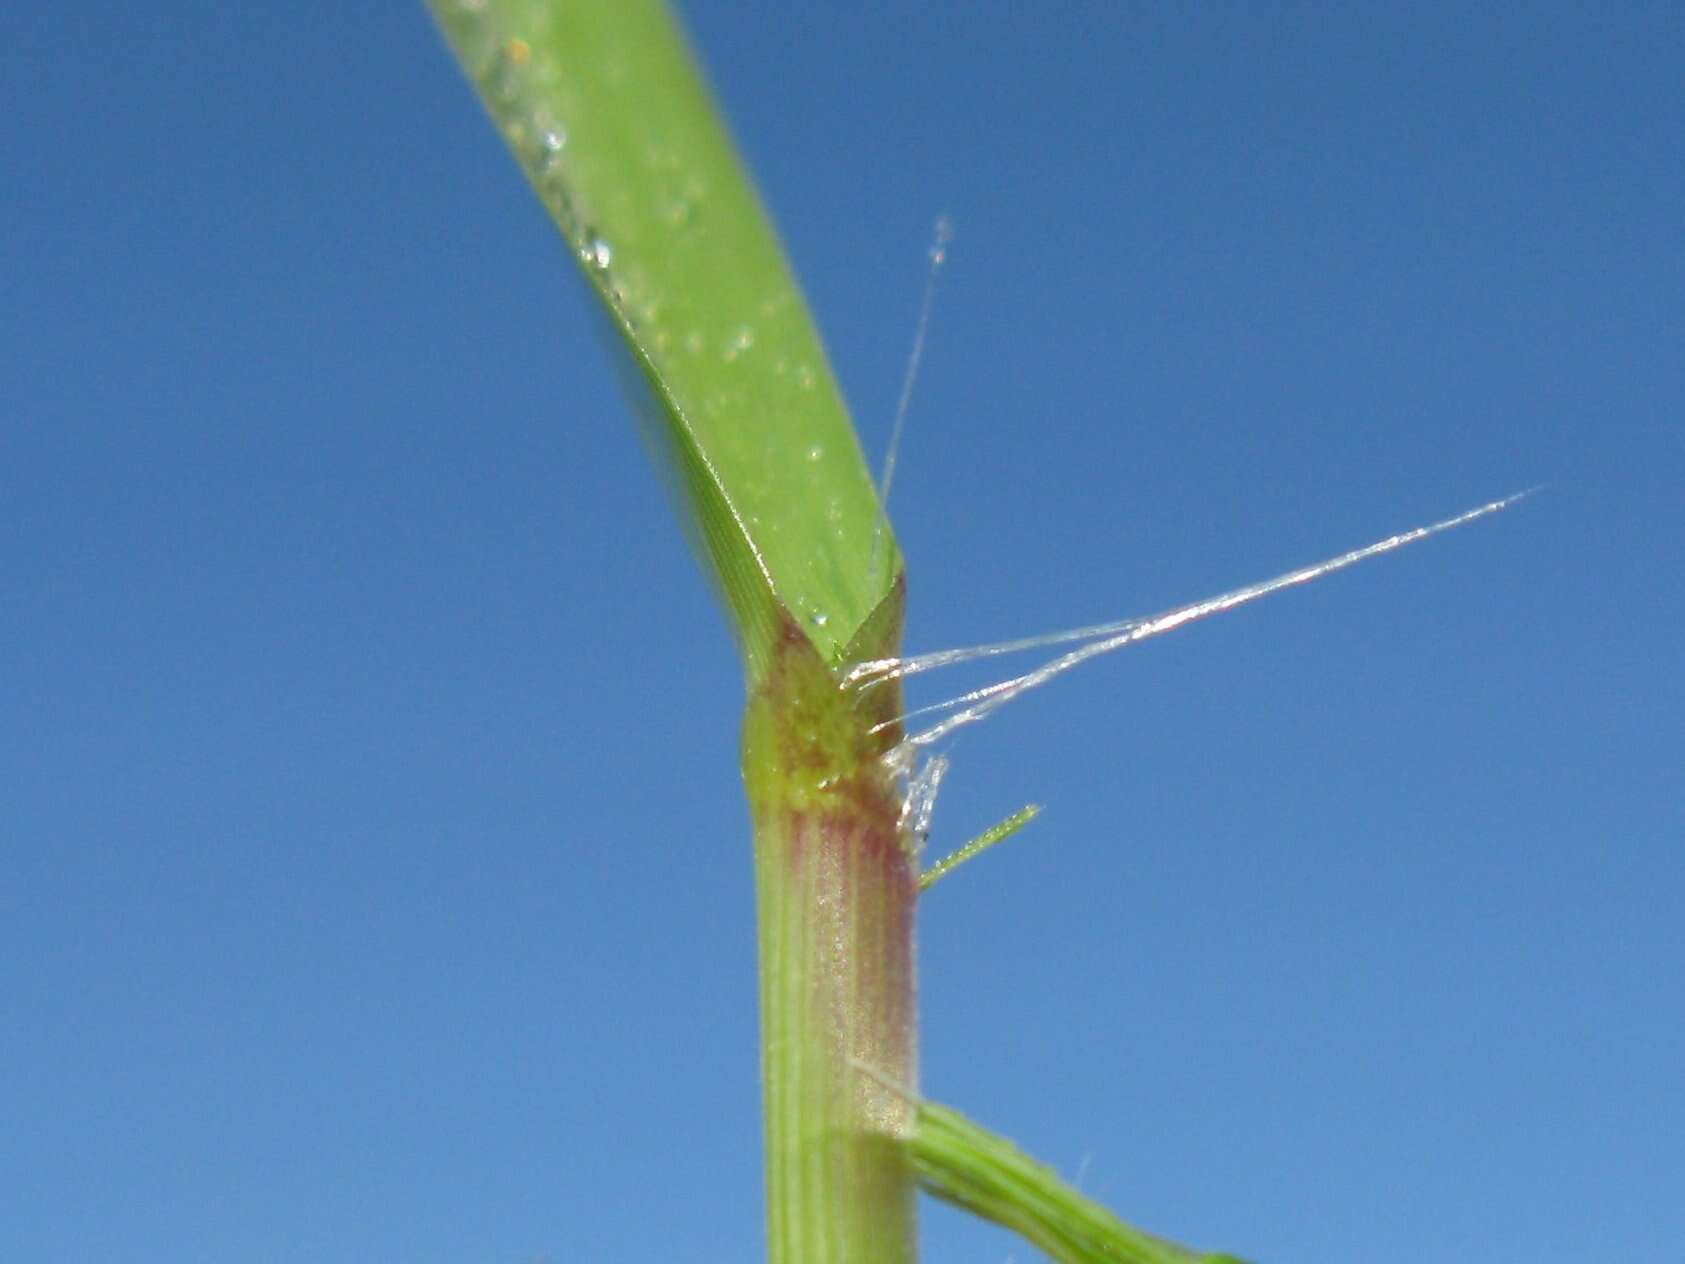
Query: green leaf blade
603	106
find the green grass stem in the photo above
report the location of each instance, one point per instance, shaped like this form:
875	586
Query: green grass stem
966	1165
601	103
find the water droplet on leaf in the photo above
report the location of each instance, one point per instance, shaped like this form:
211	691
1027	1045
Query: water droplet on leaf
740	342
551	142
595	251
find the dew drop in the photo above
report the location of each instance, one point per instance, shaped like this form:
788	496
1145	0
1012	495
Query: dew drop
595	251
819	618
551	142
816	453
740	342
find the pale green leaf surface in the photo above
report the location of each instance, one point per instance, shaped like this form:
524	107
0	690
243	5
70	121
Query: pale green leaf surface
603	106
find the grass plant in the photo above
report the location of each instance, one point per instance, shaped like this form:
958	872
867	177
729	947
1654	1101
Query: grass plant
603	106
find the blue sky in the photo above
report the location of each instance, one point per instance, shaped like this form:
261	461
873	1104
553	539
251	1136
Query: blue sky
375	878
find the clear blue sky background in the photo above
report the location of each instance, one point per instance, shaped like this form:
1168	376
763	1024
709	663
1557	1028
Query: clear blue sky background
373	872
